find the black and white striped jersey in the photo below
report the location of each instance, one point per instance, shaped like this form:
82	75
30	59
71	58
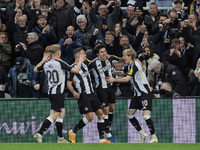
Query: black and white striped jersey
139	81
56	73
83	80
101	70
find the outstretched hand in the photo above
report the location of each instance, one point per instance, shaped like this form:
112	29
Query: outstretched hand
110	79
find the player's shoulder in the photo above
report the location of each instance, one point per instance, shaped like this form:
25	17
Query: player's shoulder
93	61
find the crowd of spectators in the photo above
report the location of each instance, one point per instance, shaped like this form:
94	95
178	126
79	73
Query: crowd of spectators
167	42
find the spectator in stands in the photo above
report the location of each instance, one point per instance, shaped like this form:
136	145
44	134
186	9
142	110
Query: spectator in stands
12	7
40	84
165	72
44	10
174	55
172	23
3	82
152	18
20	77
187	51
166	91
87	33
146	56
68	43
4	3
103	21
5	52
45	32
33	50
37	5
178	5
130	12
194	6
18	30
194	80
65	17
122	89
137	20
185	32
3	16
83	8
112	43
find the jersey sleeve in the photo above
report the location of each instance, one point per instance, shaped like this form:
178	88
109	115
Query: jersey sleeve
71	75
40	68
65	66
132	70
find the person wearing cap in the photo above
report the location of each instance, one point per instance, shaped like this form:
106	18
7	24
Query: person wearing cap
142	98
65	17
103	21
165	72
20	78
45	32
68	43
178	5
87	33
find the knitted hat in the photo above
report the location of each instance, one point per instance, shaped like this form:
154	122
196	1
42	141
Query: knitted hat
81	18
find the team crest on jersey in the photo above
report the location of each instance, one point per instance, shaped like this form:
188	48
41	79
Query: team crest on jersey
50	66
86	108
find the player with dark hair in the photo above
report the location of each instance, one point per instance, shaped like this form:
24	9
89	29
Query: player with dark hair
142	98
87	100
55	69
101	67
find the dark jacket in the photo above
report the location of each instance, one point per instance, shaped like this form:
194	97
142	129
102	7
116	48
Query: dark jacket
64	18
194	85
34	53
67	49
172	74
110	20
46	39
11	7
3	80
86	36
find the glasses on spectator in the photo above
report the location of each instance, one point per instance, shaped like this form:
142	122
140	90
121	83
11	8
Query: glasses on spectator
3	37
102	8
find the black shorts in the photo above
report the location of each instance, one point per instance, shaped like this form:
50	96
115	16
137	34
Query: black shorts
57	102
88	103
106	96
143	102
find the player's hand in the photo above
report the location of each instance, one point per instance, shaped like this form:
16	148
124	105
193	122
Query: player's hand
95	31
110	79
37	87
82	57
47	56
76	95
